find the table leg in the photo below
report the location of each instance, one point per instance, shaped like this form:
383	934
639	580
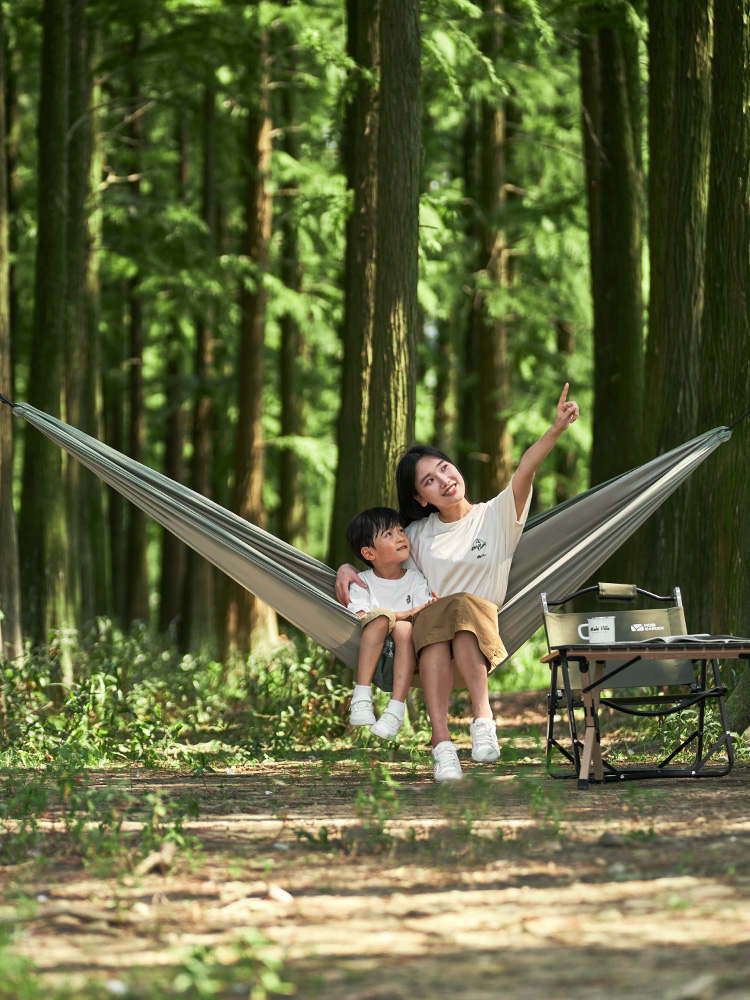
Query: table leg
591	755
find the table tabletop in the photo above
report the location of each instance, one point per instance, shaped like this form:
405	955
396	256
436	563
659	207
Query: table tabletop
719	649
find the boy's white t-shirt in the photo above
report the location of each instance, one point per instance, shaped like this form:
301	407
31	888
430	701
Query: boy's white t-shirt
410	591
472	555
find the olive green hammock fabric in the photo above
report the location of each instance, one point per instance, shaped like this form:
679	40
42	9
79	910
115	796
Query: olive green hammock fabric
558	550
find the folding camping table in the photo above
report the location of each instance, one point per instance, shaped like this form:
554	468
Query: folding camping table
618	656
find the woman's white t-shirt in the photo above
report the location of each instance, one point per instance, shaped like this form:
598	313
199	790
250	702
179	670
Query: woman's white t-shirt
472	555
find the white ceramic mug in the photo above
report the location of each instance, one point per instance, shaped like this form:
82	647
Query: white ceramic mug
599	630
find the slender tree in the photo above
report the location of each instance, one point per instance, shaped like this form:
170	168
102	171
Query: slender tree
715	579
136	570
677	237
468	379
495	276
93	498
292	520
173	551
564	458
80	573
614	204
391	407
10	623
113	393
42	516
247	621
361	129
199	603
12	109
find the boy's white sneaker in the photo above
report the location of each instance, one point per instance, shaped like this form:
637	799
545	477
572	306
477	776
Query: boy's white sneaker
447	766
388	725
484	745
361	713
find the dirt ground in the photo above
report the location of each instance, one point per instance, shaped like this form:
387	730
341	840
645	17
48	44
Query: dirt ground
509	883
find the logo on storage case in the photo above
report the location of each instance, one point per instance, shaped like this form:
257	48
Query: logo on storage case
647	627
477	545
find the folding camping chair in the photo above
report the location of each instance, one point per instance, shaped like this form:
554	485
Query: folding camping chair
634	661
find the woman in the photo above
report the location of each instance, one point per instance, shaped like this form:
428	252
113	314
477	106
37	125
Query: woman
465	551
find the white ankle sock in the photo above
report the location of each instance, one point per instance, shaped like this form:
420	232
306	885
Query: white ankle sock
362	692
397	707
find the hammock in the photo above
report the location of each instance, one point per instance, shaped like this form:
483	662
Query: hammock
558	550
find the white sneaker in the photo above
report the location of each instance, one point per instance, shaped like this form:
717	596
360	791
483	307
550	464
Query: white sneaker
447	766
484	745
388	725
361	713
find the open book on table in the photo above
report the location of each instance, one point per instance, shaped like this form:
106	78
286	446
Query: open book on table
702	638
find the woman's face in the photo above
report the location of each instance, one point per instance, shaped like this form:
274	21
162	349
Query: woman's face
438	482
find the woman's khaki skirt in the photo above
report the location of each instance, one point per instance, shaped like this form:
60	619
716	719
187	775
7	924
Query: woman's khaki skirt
440	621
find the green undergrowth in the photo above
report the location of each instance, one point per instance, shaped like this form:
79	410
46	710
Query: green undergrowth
136	699
247	967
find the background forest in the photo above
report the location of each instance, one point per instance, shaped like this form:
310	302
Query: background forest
262	246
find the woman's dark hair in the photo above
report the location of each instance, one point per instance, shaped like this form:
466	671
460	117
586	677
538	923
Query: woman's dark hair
406	476
364	528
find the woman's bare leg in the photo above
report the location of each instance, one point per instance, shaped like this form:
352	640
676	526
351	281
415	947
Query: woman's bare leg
436	674
472	665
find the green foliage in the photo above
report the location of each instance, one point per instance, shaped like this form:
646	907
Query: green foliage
377	798
209	972
17	974
248	963
86	818
523	671
137	699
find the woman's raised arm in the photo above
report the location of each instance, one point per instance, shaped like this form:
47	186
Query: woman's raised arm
567	413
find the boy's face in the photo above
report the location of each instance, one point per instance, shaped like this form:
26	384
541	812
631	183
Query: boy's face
388	547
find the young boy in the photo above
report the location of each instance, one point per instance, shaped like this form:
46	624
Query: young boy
392	596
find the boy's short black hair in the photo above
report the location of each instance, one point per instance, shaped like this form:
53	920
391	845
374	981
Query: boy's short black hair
365	527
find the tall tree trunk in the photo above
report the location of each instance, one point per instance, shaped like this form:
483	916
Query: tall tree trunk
42	515
93	498
198	605
173	551
14	182
391	407
247	621
114	388
662	51
11	645
614	189
446	385
677	237
493	364
136	571
716	585
292	515
467	448
565	462
361	164
80	550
